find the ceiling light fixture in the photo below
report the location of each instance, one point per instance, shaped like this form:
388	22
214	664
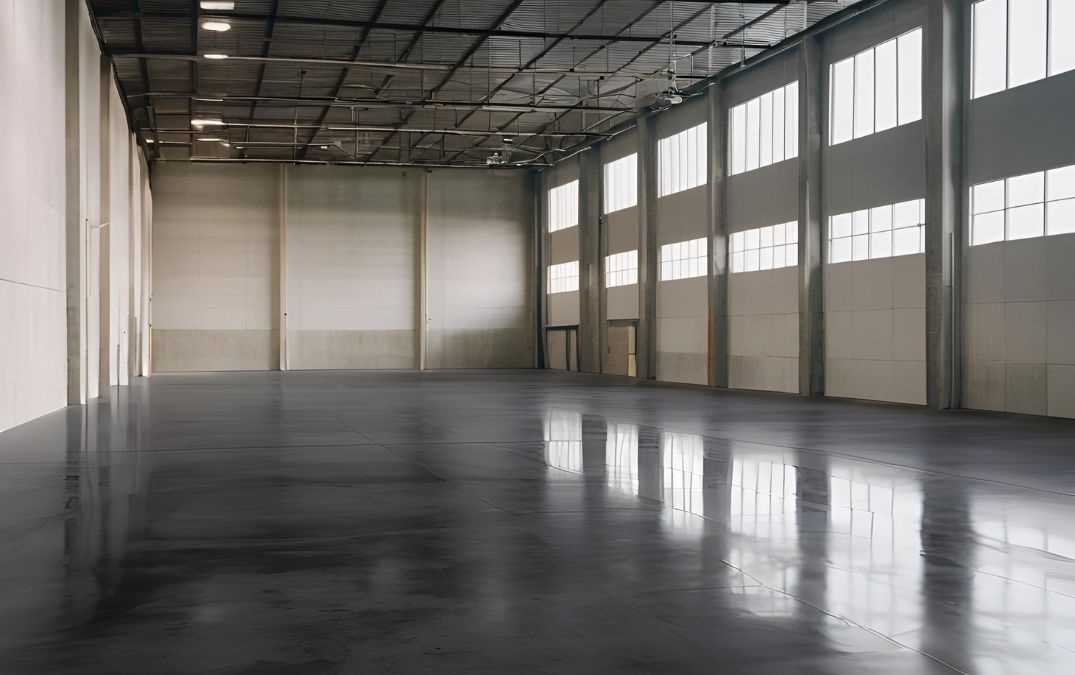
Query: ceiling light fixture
216	26
216	57
206	122
217	6
211	139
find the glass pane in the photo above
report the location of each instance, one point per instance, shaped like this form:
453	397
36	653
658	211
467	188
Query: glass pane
861	222
750	261
840	250
910	76
739	138
886	85
880	244
1028	189
737	262
765	236
860	247
753	238
1061	44
778	257
692	158
779	235
792	230
881	219
766	157
1026	221
778	125
988	197
703	162
753	133
791	120
840	226
1062	216
765	260
842	104
864	94
1026	41
990	26
737	241
1060	183
791	254
905	214
906	241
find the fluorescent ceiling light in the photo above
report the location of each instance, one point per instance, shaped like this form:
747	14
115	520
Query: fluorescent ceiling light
150	140
206	122
216	26
225	144
211	140
213	5
216	56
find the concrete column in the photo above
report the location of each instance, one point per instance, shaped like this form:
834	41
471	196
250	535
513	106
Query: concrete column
811	229
646	336
281	288
944	91
421	304
104	364
75	224
718	240
538	269
590	261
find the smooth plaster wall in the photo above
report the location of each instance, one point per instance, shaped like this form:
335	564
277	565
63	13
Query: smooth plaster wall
33	311
351	267
215	267
875	330
479	307
1019	296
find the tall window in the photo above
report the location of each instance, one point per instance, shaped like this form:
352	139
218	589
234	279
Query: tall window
682	160
1021	207
684	260
564	277
876	89
765	248
1020	41
880	232
765	130
564	206
621	183
621	269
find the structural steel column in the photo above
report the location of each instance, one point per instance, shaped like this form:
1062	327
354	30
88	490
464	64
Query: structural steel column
589	261
943	110
646	335
74	225
281	262
104	257
718	240
811	240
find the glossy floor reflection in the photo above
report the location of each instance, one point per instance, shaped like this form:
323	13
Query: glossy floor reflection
530	522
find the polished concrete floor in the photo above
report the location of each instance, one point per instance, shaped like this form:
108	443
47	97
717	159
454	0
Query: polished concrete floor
530	522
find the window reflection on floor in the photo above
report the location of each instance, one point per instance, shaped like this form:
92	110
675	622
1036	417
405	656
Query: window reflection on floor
621	457
563	440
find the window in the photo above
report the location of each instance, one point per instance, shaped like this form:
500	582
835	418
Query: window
1019	42
880	232
682	160
621	183
765	130
877	89
684	260
564	278
621	269
765	248
564	206
1021	207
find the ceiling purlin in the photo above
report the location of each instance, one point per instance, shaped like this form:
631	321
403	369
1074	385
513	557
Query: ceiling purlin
646	12
500	19
343	75
266	47
678	26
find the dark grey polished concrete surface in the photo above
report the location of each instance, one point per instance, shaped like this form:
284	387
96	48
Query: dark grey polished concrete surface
530	522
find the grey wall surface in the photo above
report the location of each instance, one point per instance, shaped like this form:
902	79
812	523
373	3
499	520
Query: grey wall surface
215	267
1019	296
33	332
351	237
874	309
479	289
561	246
350	264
